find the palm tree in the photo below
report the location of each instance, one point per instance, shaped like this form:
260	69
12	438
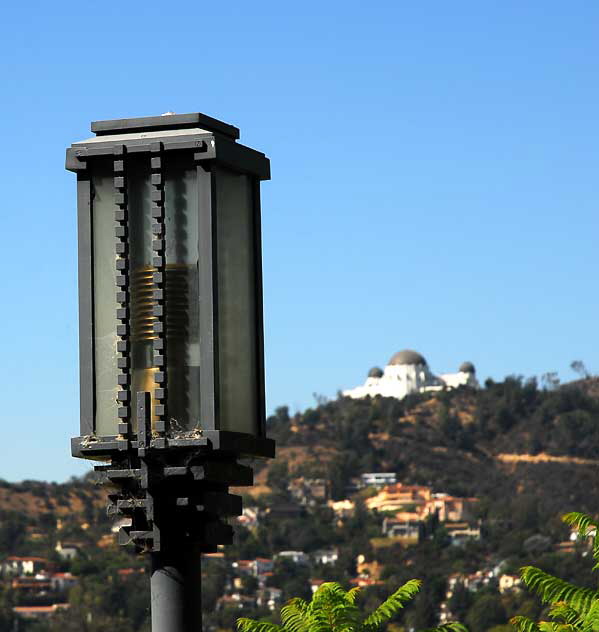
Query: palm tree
572	608
332	609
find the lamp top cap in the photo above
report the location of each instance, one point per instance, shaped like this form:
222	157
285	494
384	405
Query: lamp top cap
164	122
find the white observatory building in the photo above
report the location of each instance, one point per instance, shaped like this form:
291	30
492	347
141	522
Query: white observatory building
408	372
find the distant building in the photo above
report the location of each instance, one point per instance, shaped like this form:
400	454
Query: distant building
408	372
236	601
364	582
509	583
68	550
378	479
372	569
62	582
328	556
14	565
460	532
398	496
29	586
298	557
270	597
309	491
262	565
408	531
342	508
451	508
243	567
39	612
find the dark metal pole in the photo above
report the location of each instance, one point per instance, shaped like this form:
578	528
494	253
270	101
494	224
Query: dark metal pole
176	582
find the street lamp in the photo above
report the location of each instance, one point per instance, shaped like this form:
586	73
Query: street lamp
171	342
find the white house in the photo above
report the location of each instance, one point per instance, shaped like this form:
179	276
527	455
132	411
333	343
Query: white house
408	372
378	479
297	557
67	551
326	556
19	566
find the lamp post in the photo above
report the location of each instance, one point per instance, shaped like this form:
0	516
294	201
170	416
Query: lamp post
171	342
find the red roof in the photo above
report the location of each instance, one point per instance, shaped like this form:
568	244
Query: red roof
39	609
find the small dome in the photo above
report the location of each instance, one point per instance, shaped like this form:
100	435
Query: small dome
407	356
375	372
467	367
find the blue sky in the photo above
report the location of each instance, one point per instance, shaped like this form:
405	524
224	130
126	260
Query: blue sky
434	183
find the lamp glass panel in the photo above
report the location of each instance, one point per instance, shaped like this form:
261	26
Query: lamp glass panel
237	361
182	299
141	281
105	305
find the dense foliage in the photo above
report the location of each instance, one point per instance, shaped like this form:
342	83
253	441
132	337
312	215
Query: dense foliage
332	609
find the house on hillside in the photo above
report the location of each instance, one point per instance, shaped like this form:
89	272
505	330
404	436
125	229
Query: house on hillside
30	586
461	532
451	508
400	496
405	527
342	508
16	566
68	550
39	612
509	583
309	491
297	557
63	582
270	597
326	556
378	479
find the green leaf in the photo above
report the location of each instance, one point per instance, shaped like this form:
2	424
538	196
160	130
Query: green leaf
552	589
565	614
524	624
294	617
393	604
250	625
591	620
453	626
353	594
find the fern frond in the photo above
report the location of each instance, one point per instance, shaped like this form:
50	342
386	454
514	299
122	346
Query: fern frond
591	620
453	626
581	521
324	611
552	626
564	613
250	625
524	624
552	589
393	604
293	616
353	594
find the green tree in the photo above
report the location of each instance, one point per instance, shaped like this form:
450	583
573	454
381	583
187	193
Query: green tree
332	609
487	611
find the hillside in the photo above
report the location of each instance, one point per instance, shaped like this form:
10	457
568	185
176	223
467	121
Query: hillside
508	438
511	455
